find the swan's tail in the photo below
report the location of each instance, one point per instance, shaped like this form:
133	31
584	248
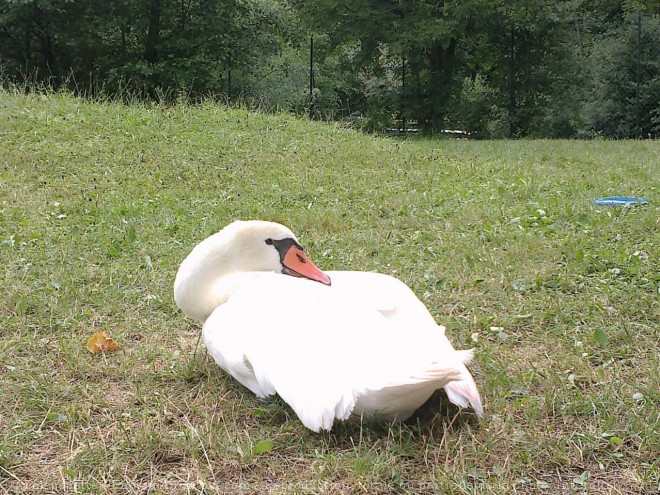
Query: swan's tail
400	396
463	392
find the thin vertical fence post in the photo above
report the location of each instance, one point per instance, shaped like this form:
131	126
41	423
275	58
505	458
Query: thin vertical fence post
311	77
403	94
229	77
512	88
639	73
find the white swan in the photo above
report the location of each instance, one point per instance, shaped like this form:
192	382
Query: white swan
330	344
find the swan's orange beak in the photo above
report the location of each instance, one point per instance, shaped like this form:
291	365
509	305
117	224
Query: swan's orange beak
296	263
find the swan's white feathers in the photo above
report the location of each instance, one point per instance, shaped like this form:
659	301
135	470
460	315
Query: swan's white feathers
366	344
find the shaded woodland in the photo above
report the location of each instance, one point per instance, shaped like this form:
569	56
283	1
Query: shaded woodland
493	68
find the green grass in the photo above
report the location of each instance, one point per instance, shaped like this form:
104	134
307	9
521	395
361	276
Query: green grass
100	203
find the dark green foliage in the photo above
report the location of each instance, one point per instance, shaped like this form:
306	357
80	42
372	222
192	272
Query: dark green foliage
493	68
155	48
628	52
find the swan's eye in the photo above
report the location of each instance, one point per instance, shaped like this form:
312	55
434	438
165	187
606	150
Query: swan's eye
269	242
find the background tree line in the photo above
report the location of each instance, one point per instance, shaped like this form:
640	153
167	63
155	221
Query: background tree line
492	67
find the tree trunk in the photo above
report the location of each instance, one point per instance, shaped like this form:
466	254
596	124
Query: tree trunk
153	31
45	41
440	63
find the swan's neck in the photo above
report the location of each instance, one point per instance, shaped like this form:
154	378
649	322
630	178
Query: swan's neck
209	276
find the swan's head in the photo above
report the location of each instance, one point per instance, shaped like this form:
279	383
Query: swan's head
208	275
268	246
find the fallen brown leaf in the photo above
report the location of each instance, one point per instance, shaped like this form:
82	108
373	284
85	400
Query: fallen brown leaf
100	342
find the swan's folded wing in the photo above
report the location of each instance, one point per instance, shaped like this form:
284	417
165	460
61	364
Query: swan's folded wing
276	340
319	347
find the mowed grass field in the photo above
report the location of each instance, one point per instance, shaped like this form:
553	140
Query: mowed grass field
99	203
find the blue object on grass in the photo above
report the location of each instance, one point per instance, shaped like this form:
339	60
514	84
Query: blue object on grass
620	201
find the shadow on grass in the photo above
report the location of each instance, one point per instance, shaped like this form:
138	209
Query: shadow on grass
435	417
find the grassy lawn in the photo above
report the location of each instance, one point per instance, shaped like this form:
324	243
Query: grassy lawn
100	203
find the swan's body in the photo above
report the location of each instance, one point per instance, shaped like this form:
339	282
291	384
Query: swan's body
364	344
